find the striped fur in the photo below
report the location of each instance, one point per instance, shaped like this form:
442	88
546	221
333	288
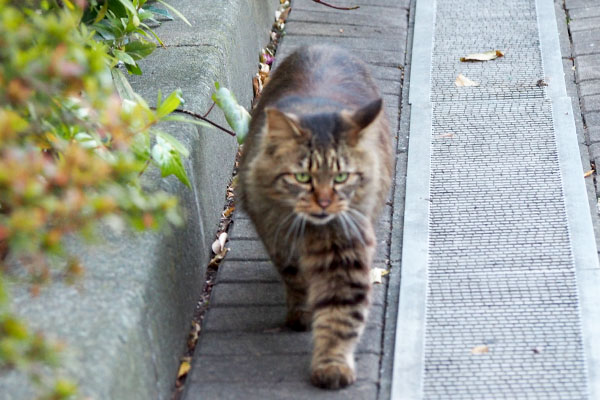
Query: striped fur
315	171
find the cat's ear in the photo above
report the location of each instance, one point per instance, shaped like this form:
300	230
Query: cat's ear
282	125
362	118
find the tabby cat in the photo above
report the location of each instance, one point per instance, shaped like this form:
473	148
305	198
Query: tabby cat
315	172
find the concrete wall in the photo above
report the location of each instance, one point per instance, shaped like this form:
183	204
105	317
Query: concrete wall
125	325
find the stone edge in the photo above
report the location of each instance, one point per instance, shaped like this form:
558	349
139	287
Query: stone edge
407	382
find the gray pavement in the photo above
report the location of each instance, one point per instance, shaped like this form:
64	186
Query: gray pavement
498	261
243	351
582	52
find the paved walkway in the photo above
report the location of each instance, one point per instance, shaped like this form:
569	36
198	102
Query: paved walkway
499	264
243	352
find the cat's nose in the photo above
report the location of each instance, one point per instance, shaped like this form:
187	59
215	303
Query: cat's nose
324	203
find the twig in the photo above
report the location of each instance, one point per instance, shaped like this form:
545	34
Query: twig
336	7
203	118
145	166
209	110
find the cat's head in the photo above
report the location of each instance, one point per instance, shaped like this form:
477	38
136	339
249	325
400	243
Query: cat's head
316	165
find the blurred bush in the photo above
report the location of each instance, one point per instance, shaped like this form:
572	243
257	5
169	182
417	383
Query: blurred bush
71	149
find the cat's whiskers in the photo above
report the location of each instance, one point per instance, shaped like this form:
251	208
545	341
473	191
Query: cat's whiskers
345	225
283	222
292	228
355	225
295	233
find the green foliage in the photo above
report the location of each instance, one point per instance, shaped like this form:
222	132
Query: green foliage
74	141
237	116
71	149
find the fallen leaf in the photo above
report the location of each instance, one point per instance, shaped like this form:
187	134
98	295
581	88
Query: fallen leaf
487	56
462	80
589	173
376	274
184	368
228	211
216	246
285	14
217	258
193	337
256	85
446	135
481	349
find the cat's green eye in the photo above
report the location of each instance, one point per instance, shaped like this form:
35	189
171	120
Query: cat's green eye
302	177
341	177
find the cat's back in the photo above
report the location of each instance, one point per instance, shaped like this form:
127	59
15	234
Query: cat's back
323	77
321	71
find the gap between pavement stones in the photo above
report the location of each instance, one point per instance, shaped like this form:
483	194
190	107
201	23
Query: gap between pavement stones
125	325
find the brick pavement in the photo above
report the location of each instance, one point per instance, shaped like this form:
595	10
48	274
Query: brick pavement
243	350
498	242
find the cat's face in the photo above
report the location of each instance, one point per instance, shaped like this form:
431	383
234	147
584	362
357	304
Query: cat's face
314	166
321	183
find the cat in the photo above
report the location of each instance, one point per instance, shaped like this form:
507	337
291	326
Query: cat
314	174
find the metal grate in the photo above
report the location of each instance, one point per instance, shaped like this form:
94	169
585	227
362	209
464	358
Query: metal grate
501	276
502	318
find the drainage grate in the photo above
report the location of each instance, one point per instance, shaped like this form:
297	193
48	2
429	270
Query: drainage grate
502	309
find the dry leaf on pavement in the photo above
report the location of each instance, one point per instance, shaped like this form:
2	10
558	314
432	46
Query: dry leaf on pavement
462	80
184	368
487	56
376	274
481	349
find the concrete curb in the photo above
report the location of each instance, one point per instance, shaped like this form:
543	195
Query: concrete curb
126	324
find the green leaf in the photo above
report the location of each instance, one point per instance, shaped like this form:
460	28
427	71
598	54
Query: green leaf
104	31
122	56
129	6
162	12
169	160
139	49
101	13
140	145
145	14
122	85
175	11
169	104
237	116
173	142
134	69
146	27
87	141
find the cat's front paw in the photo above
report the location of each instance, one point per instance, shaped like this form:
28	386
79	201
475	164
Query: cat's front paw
332	376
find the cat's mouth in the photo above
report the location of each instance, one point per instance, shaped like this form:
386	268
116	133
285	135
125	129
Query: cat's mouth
320	218
322	215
